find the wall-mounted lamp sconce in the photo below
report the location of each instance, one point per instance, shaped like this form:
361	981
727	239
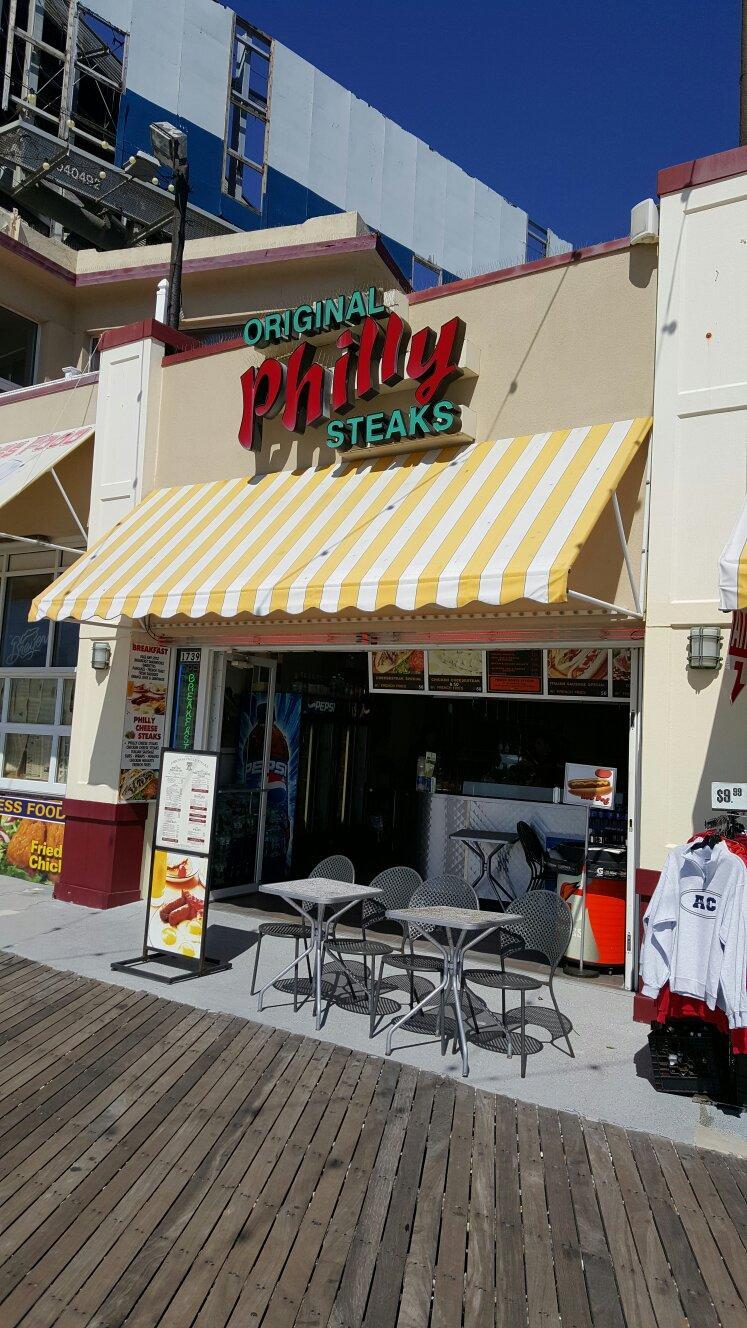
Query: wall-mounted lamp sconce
101	656
704	648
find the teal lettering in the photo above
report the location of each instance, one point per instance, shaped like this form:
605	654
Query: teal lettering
419	422
354	424
253	331
273	327
336	434
374	309
356	307
303	319
375	427
444	415
396	427
333	312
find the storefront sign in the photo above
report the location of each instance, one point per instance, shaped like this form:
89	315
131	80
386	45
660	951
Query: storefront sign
31	836
398	671
590	785
455	670
186	688
177	897
738	651
577	672
376	350
145	719
515	671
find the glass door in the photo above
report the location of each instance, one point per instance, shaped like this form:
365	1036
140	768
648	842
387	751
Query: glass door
244	696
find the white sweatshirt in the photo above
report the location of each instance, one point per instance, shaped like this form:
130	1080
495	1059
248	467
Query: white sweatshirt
692	922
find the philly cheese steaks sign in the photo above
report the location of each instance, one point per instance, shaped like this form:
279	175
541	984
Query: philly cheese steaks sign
376	350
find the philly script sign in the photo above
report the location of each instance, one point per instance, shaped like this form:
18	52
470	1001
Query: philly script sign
376	350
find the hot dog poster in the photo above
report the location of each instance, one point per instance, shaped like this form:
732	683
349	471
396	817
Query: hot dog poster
590	785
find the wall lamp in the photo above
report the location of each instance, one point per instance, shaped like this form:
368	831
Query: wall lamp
704	648
101	656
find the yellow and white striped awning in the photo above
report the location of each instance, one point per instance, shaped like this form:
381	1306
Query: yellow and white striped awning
488	523
732	568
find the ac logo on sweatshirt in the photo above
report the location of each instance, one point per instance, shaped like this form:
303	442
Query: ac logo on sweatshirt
699	903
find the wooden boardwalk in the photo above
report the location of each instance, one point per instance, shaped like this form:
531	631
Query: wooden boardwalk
161	1165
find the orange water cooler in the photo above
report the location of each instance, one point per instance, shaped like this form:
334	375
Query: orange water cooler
603	938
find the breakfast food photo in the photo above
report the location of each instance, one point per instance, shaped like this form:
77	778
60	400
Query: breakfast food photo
177	904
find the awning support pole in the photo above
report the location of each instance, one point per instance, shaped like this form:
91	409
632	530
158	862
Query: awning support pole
602	604
40	543
626	553
72	510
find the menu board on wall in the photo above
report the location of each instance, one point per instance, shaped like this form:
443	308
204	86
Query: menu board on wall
455	670
621	663
577	672
515	671
145	718
398	671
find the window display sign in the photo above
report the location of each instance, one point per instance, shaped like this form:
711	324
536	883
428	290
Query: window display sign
590	785
621	663
145	719
577	672
398	671
186	688
515	671
455	670
31	835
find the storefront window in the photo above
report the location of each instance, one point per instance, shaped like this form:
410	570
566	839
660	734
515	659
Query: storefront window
63	756
23	645
65	645
32	700
27	756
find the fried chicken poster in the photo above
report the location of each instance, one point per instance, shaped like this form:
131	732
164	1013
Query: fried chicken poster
31	834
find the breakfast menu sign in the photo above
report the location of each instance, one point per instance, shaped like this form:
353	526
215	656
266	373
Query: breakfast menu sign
145	719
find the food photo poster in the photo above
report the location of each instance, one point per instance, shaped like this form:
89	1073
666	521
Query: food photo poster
145	720
176	904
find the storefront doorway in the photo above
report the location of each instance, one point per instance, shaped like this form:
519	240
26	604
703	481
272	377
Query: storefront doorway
385	776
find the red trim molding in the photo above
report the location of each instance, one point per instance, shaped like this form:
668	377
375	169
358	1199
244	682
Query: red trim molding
102	853
703	170
521	270
148	329
202	352
31	256
48	389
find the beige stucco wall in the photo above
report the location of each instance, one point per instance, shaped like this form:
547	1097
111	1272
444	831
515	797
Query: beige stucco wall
47	412
692	733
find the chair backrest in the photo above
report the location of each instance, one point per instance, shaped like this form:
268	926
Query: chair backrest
397	886
546	923
533	852
335	868
437	891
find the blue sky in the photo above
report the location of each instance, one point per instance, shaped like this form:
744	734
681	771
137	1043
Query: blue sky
567	108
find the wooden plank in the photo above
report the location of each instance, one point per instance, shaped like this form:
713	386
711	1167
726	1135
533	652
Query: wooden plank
448	1281
479	1295
319	1296
178	1228
122	1244
417	1283
271	1227
662	1288
383	1299
725	1182
631	1282
511	1299
573	1301
690	1285
730	1308
542	1301
718	1218
604	1297
282	1273
350	1302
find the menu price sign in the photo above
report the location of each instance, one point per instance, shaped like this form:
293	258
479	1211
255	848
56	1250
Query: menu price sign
577	672
177	897
145	718
397	671
515	671
455	670
186	801
590	785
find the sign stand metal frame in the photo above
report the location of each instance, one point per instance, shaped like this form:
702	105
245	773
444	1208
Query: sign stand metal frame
189	968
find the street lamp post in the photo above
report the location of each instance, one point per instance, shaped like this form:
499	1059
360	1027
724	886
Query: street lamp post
170	149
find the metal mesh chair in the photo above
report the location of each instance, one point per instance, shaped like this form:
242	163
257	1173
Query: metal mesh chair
545	926
450	889
534	854
397	885
335	868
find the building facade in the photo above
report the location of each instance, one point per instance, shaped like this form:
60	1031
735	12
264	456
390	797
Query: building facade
272	140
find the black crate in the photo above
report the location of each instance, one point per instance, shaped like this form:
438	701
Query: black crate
690	1057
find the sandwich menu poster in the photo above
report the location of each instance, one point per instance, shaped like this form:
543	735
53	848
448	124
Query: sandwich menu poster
590	785
145	719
